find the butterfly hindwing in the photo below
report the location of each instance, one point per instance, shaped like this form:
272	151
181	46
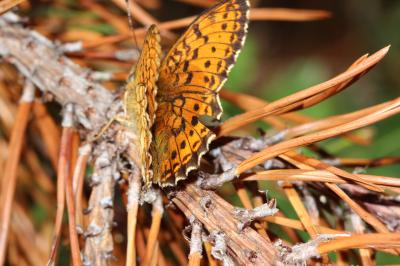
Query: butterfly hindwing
139	98
191	75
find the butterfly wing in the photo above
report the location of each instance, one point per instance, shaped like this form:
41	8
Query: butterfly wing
191	75
139	98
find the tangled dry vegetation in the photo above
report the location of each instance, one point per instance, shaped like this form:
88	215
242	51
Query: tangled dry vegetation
109	221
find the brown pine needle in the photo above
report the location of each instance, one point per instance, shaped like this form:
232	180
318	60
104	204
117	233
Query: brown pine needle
49	131
211	260
300	210
78	182
391	108
6	5
246	201
288	14
298	225
247	103
135	184
376	162
255	14
361	241
195	244
285	14
311	163
9	179
63	176
317	176
154	229
304	98
73	235
331	122
366	216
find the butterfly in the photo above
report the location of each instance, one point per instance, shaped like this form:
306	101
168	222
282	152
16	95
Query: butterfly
166	99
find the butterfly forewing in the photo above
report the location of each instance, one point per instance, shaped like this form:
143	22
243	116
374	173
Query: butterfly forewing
191	75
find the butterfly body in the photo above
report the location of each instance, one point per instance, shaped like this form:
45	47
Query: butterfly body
188	81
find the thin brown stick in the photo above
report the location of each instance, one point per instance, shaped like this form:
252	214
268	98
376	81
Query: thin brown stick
245	199
304	98
132	208
6	5
298	225
309	163
195	244
255	14
211	260
364	162
63	174
9	179
300	209
78	181
288	14
154	229
68	134
390	109
317	176
361	241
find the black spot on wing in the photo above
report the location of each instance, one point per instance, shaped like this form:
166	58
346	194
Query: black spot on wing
185	66
194	121
183	144
196	30
173	155
189	78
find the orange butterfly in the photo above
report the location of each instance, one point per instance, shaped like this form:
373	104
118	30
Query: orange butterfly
188	80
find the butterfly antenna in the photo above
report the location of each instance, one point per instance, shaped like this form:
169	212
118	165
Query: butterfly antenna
128	9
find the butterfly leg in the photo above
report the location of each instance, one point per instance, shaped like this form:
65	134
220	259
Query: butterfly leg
124	121
104	128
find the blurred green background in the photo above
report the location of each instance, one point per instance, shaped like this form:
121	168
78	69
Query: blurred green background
280	58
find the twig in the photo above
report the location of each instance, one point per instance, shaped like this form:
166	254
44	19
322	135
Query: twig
246	216
135	181
301	252
38	59
63	174
195	253
6	5
67	125
156	214
192	201
388	240
99	242
219	250
10	170
77	183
